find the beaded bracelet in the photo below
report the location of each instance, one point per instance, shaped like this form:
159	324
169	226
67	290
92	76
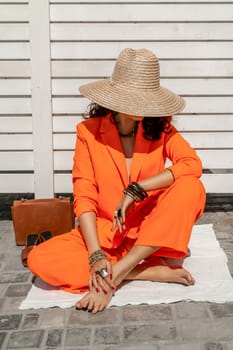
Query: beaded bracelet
96	256
136	192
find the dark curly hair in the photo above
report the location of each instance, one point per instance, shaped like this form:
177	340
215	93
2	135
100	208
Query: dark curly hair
153	127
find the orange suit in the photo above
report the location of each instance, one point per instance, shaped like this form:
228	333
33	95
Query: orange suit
165	219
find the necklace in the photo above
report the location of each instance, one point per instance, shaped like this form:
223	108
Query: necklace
132	133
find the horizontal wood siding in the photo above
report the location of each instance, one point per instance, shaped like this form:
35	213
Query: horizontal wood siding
16	148
193	40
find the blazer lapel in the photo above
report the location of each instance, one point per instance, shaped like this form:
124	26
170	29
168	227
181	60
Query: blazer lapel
111	139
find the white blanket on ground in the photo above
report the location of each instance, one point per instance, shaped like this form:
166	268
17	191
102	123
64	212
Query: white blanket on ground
208	265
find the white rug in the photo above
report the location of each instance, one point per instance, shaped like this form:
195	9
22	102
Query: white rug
208	265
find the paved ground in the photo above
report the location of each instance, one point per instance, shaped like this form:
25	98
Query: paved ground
183	326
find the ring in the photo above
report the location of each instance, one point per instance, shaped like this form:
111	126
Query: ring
119	212
102	272
115	214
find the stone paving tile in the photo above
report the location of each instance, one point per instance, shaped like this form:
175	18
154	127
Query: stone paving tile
186	346
107	335
11	304
78	337
2	338
216	330
214	346
127	347
1	303
147	313
54	339
109	316
3	288
222	310
8	322
25	339
12	277
189	310
54	317
145	332
31	320
18	290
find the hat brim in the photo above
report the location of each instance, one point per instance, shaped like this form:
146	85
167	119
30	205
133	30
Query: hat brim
158	103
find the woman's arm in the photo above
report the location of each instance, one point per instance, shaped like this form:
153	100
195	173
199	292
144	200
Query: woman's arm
87	222
160	180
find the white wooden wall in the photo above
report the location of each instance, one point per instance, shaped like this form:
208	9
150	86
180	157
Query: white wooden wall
48	49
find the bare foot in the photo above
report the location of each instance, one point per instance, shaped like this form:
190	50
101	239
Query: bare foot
162	273
94	301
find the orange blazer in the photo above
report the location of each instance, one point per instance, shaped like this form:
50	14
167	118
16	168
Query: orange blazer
100	172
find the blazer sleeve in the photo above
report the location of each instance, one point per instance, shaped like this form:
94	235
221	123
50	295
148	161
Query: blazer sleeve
84	184
184	158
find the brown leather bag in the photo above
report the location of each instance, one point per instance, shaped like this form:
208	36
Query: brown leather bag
34	216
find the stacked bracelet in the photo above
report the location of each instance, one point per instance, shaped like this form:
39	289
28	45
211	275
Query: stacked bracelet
136	192
96	256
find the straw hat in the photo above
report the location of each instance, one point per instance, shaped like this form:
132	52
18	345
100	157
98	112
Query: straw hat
134	87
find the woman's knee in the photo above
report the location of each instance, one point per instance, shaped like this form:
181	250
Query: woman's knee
189	186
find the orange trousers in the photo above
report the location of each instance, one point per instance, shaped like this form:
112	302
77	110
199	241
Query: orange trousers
165	219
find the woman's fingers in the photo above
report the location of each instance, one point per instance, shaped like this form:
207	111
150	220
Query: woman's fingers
101	276
120	213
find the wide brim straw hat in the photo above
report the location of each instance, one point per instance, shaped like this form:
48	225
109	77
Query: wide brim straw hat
134	87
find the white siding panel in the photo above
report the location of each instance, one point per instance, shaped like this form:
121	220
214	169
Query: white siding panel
218	183
15	106
66	124
16	183
138	12
63	183
216	158
16	142
212	104
210	139
63	160
10	31
15	87
141	31
12	12
15	124
168	68
64	141
15	69
186	86
15	1
174	50
14	50
70	105
16	161
204	122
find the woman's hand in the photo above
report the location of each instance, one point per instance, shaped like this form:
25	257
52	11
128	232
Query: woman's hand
121	211
99	282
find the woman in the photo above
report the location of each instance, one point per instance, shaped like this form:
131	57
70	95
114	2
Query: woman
135	212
